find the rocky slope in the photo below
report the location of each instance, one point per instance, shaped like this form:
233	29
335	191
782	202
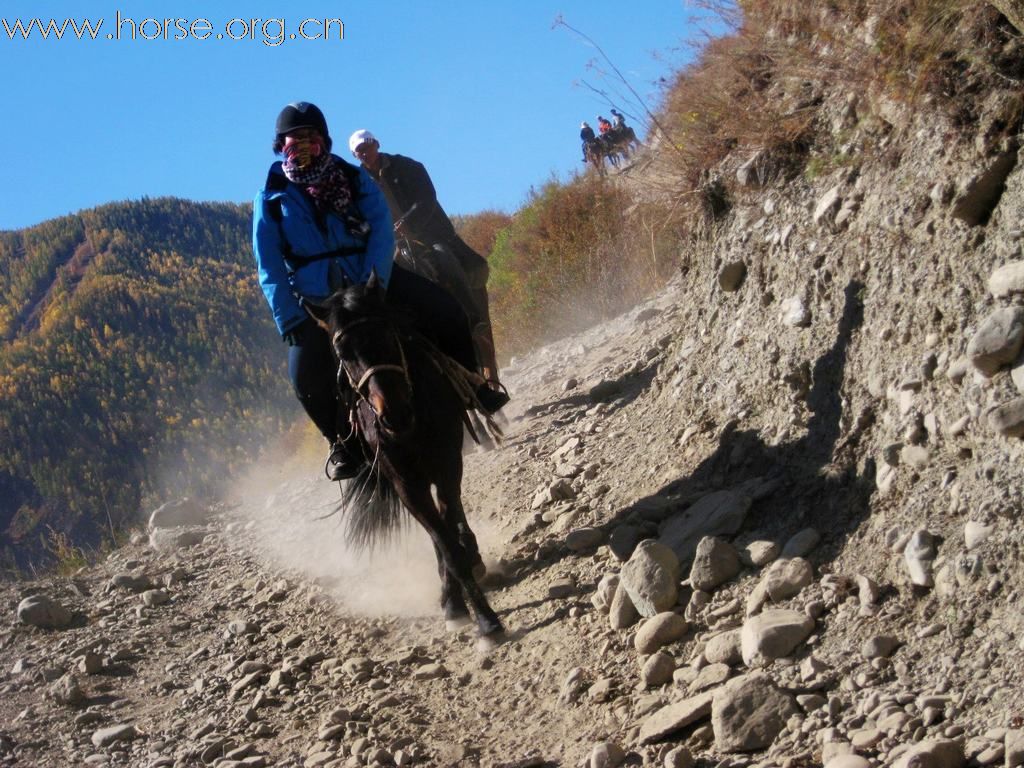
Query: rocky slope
771	518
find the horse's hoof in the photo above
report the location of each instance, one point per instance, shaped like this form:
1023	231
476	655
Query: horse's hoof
454	625
479	570
487	643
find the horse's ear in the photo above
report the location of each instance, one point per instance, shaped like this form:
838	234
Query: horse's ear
374	283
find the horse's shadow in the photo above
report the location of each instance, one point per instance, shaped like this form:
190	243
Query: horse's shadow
815	478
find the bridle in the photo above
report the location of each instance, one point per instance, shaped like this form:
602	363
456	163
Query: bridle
373	370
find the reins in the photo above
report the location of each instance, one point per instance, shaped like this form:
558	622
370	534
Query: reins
373	370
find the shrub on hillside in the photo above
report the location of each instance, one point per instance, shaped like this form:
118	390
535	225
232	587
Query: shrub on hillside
576	253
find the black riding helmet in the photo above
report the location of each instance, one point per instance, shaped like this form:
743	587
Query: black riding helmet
300	114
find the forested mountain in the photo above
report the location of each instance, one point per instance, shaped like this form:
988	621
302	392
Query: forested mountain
137	360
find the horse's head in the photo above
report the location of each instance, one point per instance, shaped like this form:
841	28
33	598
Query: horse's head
371	358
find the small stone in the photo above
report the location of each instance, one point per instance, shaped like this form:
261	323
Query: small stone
242	627
622	613
104	737
66	691
605	592
660	630
711	676
938	753
801	543
866	738
976	534
606	755
828	204
1008	419
868	591
918	556
675	717
1008	280
724	648
786	577
879	646
171	539
748	713
561	589
657	670
584	539
431	672
651	578
678	757
155	597
90	664
714	563
759	553
915	456
795	313
772	635
998	340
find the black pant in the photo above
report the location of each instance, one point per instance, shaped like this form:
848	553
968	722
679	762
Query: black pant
436	314
313	369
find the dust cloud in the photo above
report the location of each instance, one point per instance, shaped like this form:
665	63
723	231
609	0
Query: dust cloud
290	506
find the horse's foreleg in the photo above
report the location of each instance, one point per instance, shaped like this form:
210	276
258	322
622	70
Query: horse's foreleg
453	603
468	560
452	554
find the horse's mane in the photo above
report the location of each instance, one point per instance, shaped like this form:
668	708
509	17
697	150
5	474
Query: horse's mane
360	301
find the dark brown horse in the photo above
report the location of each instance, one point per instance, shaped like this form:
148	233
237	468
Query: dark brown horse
408	406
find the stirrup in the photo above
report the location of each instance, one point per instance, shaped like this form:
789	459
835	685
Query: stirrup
492	400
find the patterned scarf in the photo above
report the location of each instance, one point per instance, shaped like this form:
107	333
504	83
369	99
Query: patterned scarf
326	182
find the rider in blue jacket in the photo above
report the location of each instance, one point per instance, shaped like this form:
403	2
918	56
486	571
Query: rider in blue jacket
319	223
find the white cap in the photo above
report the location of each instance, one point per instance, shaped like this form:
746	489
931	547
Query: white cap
359	137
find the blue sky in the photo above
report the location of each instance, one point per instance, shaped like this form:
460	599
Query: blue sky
488	95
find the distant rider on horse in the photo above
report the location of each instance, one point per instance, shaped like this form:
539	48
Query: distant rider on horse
586	136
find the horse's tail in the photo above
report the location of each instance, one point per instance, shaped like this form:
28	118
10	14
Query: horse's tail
373	512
